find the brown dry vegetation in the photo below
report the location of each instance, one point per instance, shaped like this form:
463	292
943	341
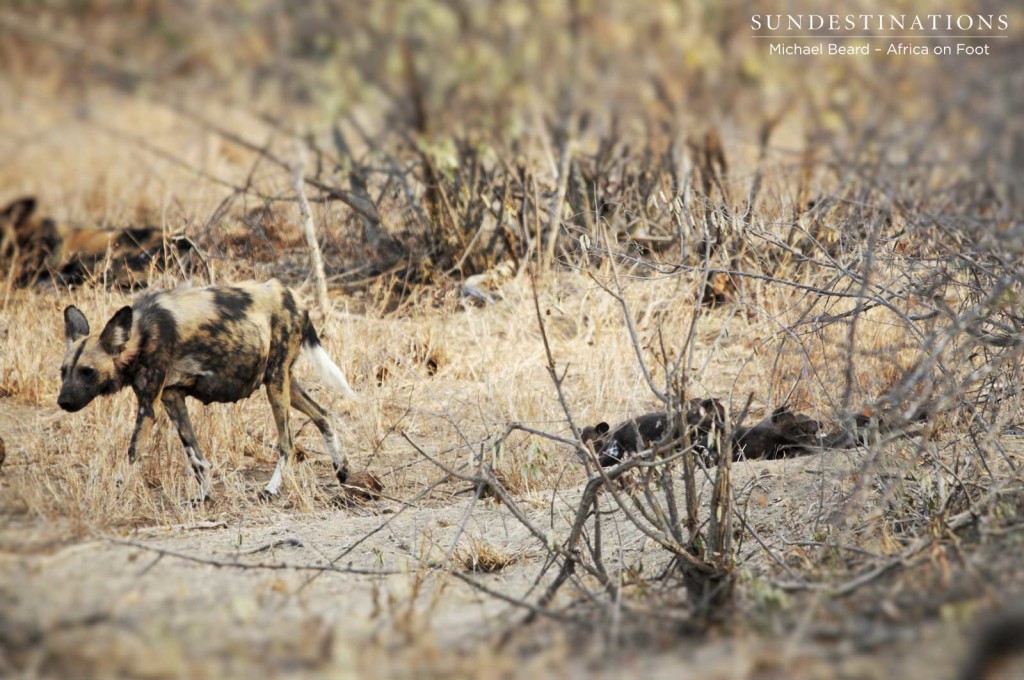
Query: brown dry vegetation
495	188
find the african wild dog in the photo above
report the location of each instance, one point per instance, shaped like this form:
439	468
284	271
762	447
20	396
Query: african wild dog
216	344
38	249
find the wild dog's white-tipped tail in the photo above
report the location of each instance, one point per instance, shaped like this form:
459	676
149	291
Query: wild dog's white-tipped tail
329	373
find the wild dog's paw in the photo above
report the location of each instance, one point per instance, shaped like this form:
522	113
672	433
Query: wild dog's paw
364	486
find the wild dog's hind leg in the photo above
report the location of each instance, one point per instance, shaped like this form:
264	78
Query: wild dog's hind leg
174	402
278	395
304	403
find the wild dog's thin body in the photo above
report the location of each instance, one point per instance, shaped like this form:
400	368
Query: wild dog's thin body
216	344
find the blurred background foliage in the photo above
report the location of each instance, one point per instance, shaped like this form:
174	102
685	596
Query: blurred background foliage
489	69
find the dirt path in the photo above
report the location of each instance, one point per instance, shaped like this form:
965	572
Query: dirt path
102	608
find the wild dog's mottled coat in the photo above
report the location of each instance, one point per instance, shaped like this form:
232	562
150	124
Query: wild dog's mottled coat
42	248
216	344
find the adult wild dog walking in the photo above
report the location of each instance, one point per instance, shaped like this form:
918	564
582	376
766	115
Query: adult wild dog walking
216	344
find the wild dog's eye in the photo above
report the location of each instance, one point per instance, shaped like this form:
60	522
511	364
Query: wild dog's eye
87	373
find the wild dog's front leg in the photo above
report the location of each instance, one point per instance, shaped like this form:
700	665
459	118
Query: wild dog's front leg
174	402
277	394
143	422
147	387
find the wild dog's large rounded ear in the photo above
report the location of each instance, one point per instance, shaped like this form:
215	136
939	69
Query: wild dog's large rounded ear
75	324
115	334
601	428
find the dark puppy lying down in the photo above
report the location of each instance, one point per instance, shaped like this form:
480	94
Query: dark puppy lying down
783	434
704	418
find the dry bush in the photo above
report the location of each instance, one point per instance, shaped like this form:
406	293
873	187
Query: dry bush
482	557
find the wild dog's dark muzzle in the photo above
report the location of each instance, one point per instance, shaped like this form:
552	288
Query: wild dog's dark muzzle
70	403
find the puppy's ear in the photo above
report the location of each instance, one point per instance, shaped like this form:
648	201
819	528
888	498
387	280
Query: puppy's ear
75	324
115	334
602	428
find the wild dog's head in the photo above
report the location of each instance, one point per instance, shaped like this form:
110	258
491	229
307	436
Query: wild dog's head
92	366
32	239
704	414
14	217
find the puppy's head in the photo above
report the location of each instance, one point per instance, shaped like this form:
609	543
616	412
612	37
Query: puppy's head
795	425
596	435
600	438
705	414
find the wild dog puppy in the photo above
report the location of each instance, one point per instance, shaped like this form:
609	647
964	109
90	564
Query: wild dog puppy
702	416
612	446
216	344
796	424
783	434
